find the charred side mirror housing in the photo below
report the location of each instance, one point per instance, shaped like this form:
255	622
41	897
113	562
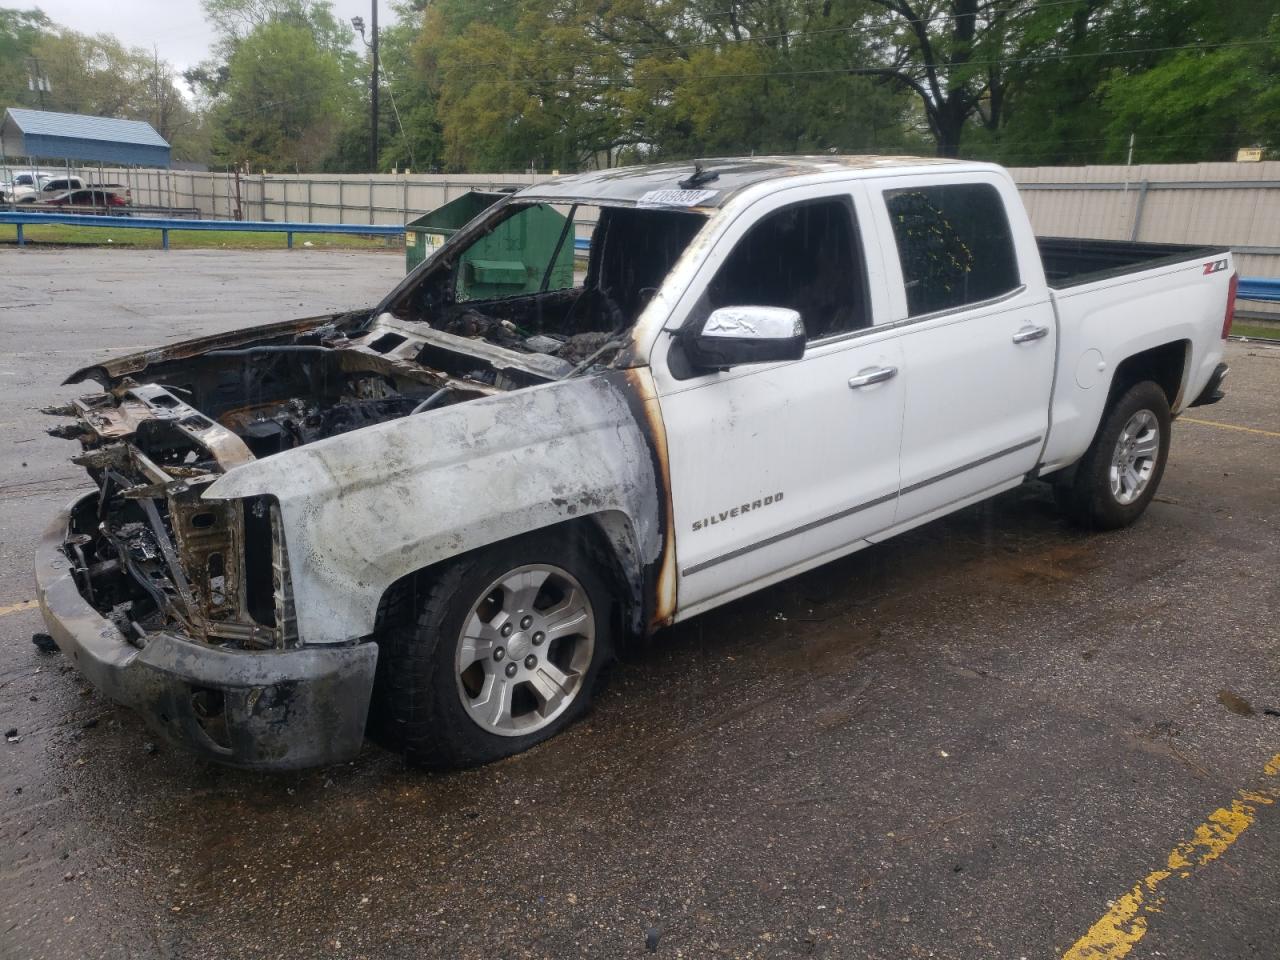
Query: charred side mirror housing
732	336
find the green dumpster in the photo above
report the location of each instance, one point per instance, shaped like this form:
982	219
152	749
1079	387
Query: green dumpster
510	261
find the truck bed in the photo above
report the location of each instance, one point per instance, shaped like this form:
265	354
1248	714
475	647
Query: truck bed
1071	261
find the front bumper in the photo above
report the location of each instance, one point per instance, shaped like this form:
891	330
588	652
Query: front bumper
274	710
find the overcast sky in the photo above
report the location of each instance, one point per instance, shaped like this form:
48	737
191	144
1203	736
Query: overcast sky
176	27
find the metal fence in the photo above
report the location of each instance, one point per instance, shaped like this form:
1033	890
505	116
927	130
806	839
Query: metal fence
385	199
1234	204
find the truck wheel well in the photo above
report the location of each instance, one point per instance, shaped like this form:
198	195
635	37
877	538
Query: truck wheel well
1165	365
601	535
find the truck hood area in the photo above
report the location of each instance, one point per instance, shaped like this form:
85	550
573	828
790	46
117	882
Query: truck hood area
169	422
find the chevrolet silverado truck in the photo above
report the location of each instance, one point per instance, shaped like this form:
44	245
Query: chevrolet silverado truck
438	516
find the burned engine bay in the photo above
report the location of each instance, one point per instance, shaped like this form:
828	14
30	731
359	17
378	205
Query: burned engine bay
151	555
148	552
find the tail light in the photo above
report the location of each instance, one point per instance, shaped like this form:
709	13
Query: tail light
1231	305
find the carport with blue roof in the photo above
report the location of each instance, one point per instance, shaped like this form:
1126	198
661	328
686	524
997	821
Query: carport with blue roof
41	134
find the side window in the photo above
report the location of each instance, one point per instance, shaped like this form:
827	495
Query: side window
954	245
805	257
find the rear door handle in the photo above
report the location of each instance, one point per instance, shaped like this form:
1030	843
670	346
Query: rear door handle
1027	334
876	375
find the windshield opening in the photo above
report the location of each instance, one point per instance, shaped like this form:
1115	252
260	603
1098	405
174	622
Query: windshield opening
559	279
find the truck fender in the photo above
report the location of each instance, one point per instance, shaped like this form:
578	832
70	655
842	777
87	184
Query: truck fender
364	509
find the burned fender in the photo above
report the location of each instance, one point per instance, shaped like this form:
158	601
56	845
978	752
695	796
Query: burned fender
364	509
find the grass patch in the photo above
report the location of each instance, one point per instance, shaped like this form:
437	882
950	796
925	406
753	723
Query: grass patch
192	239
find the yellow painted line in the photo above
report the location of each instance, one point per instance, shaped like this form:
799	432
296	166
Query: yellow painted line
18	607
1121	927
1230	426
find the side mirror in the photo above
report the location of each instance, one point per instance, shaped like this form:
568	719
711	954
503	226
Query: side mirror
732	336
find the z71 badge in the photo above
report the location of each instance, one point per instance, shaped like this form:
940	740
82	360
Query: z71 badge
737	511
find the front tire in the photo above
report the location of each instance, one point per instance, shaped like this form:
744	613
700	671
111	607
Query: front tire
1121	471
500	650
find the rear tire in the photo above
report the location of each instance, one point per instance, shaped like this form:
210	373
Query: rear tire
500	650
1121	471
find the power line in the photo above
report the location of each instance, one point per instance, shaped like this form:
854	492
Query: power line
819	71
942	16
784	35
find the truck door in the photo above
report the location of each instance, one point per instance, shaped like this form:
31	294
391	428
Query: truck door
977	334
775	467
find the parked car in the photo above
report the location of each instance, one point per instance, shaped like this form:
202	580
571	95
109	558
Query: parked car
60	185
454	506
121	191
95	197
23	186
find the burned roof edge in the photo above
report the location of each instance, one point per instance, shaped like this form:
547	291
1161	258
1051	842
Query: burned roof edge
717	181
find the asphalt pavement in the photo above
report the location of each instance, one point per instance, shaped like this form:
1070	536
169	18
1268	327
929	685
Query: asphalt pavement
994	737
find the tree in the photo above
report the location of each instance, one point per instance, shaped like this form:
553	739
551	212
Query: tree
283	86
1201	104
566	83
962	57
282	102
19	32
234	20
410	135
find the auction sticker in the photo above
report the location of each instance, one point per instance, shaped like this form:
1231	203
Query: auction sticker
675	198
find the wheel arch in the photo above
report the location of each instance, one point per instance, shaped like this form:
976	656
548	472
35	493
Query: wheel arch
1167	365
609	534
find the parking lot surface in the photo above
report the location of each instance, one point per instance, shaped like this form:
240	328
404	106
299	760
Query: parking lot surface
994	737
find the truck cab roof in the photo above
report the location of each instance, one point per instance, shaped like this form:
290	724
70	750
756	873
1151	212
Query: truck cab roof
711	182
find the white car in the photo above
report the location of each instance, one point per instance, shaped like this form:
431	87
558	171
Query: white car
38	187
455	504
22	186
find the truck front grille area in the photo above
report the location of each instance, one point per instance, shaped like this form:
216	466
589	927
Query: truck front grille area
153	555
154	561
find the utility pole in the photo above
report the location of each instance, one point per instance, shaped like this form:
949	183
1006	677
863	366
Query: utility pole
358	23
373	85
36	79
155	82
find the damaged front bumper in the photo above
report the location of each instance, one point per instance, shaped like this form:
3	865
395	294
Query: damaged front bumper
265	709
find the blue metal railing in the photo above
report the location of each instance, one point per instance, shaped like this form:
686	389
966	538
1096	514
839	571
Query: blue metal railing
1259	288
165	224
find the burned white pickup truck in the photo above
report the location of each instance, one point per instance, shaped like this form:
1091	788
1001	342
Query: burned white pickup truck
442	513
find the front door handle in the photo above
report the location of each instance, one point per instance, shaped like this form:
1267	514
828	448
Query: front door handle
875	375
1027	334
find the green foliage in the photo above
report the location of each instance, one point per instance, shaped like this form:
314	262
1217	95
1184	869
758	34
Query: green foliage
1204	104
234	20
410	130
19	31
1157	72
282	104
563	83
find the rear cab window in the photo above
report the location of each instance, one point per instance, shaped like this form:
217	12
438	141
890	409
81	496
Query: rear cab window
954	245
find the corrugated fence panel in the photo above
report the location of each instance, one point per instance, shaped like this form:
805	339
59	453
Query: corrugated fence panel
1108	201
